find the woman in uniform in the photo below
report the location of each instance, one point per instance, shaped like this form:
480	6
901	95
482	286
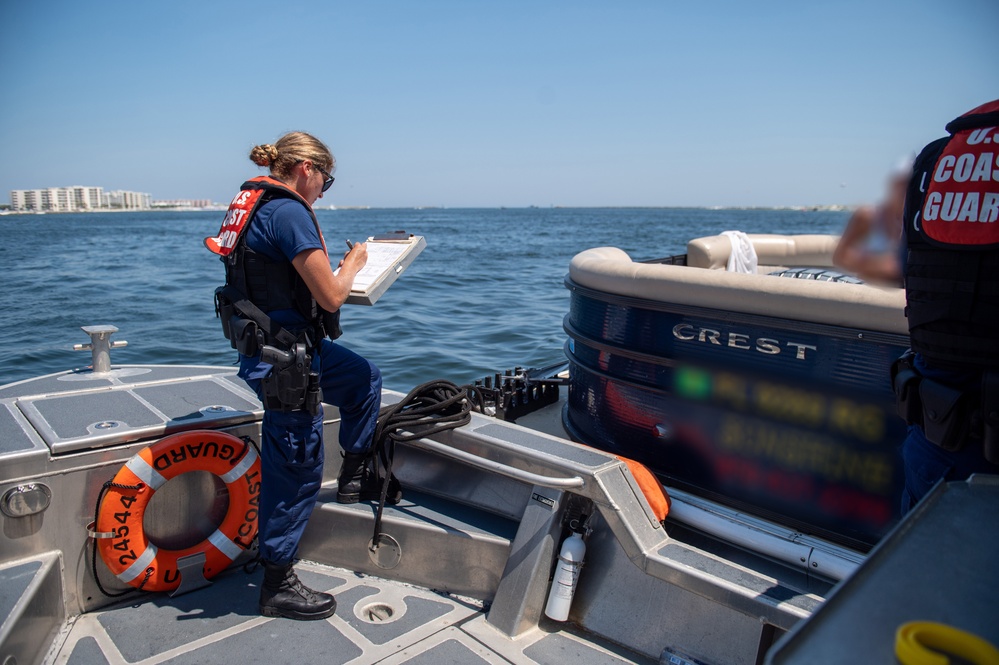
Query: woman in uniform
277	261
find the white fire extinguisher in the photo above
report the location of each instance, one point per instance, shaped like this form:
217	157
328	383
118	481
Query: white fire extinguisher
570	562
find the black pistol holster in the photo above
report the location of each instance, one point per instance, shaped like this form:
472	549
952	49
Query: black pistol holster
949	416
291	385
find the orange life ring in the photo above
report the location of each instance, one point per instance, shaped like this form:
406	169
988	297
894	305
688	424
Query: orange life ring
123	544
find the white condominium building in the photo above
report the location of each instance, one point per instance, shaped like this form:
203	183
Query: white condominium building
121	200
77	199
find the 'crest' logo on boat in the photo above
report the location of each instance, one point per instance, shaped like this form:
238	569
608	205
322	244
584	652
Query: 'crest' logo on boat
734	340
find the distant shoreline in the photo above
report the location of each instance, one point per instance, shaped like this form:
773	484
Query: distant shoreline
108	210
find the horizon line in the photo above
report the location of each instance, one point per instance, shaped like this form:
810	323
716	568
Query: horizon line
832	207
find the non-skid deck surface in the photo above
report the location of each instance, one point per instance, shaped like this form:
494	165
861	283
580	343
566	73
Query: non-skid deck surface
220	624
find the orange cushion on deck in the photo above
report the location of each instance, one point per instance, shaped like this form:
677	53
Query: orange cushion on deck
653	490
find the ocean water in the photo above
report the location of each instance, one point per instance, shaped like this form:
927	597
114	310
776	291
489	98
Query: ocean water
486	294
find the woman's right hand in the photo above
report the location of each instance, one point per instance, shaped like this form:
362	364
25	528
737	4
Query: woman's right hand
357	256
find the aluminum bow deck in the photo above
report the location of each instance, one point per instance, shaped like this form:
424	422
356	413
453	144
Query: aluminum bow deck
482	519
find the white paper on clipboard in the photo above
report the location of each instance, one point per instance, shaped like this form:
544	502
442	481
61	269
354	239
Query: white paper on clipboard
387	259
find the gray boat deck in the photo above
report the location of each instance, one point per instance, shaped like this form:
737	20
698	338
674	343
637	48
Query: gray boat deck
473	523
220	624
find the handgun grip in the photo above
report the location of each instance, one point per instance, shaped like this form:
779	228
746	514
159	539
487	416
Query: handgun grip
276	357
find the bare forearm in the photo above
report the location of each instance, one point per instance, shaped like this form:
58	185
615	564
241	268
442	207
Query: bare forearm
329	290
335	296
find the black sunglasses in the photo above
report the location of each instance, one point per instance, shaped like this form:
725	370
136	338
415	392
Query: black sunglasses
328	182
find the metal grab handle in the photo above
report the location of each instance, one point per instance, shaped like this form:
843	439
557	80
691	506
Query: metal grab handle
497	467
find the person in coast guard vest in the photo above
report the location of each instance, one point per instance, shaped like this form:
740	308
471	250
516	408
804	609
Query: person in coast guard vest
947	385
279	309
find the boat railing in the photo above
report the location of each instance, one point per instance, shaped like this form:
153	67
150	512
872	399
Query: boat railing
754	534
512	452
542	461
492	466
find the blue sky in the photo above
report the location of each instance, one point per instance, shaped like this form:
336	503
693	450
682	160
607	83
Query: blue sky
488	104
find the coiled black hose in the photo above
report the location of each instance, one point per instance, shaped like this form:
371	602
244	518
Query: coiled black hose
428	409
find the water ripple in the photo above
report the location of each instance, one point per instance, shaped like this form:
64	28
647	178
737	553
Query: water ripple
485	295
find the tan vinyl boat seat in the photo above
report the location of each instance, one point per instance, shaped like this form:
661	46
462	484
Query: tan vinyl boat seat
701	284
812	251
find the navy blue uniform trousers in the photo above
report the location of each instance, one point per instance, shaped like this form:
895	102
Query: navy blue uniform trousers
925	463
291	450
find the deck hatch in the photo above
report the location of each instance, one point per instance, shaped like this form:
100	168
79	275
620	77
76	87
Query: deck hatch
71	421
66	417
187	401
12	437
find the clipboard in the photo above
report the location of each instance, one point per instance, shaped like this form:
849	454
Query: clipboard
388	256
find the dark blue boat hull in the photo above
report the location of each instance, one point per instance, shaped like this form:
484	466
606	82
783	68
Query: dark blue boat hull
790	420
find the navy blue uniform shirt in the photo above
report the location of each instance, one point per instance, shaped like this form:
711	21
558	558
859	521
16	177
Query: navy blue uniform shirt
282	229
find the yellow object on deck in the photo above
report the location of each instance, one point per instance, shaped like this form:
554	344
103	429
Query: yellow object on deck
921	643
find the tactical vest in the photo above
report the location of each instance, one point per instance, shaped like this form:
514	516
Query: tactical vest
952	236
267	283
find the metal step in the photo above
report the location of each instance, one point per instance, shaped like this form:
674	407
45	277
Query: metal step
438	544
31	608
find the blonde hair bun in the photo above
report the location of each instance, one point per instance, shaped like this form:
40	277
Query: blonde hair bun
289	150
263	155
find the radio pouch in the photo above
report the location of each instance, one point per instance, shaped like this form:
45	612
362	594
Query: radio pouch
224	310
244	336
331	324
905	382
945	418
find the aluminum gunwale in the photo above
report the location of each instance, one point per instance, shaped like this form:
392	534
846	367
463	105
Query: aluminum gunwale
570	482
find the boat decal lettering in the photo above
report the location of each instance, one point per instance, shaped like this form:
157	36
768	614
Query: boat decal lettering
839	416
686	332
869	470
248	527
187	451
139	565
543	500
244	465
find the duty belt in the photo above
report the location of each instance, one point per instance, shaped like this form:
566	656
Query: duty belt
948	416
290	385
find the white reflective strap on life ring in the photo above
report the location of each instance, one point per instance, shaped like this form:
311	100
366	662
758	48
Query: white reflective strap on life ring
244	465
139	565
225	545
145	472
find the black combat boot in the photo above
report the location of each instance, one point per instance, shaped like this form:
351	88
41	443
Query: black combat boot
354	479
282	594
358	482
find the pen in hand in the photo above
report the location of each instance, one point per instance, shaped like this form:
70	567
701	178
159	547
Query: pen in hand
350	245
